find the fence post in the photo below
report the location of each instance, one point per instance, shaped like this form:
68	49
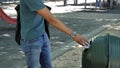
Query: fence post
75	2
65	2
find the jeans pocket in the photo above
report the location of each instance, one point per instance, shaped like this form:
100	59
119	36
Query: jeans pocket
35	43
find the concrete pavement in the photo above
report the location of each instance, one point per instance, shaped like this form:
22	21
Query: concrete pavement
85	23
73	57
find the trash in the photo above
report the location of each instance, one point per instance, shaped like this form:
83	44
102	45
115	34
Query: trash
87	46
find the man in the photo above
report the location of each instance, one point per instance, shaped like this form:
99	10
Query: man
114	2
34	41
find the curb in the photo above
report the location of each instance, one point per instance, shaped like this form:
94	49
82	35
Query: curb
71	45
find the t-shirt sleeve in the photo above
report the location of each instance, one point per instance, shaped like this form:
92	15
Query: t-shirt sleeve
35	5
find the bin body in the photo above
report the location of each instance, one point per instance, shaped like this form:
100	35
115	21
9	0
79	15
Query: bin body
103	53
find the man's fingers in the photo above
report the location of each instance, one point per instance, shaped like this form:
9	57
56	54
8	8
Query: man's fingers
80	40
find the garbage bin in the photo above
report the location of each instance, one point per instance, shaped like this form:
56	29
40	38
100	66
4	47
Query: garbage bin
104	52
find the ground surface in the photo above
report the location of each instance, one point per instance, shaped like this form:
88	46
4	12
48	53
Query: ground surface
82	22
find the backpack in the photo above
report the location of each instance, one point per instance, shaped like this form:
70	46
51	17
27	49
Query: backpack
104	52
18	26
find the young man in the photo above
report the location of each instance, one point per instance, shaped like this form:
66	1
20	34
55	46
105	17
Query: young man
34	41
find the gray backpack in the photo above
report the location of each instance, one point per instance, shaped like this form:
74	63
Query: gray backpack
103	53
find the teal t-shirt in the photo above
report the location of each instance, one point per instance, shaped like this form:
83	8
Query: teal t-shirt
32	24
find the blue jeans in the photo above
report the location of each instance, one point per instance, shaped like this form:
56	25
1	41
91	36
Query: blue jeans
38	52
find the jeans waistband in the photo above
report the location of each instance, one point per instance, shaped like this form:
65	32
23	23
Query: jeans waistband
42	36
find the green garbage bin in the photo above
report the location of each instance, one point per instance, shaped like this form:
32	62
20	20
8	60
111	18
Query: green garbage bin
103	53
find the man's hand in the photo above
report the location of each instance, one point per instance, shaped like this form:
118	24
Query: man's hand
80	40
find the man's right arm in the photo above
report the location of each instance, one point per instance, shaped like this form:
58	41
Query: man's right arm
60	25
